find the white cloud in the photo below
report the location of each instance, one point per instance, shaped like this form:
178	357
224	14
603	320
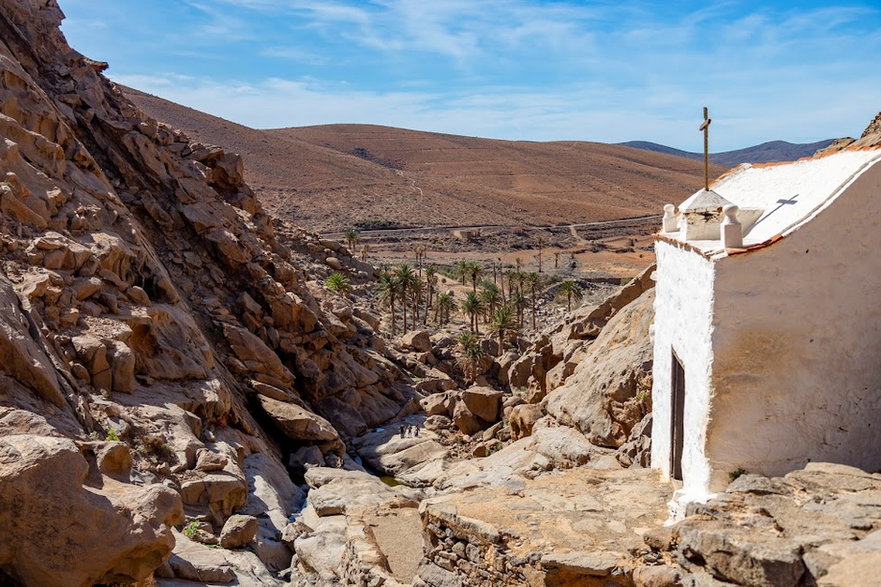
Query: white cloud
522	69
583	112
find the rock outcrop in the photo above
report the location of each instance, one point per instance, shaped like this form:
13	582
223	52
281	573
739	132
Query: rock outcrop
871	137
609	391
60	528
816	526
163	342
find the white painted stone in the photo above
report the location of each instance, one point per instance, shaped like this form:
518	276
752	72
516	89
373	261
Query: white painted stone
732	229
671	221
780	345
702	215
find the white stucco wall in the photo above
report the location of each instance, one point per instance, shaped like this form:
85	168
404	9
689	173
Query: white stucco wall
683	322
797	345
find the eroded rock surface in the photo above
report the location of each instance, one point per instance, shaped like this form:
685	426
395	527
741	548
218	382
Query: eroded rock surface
163	342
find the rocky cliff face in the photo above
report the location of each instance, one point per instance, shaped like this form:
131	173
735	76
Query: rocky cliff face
166	346
871	137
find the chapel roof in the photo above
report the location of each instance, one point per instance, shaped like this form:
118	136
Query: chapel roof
778	197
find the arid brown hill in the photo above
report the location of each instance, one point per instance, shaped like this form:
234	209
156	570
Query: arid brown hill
338	176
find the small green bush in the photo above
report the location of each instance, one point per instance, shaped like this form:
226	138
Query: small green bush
112	436
191	529
339	283
736	473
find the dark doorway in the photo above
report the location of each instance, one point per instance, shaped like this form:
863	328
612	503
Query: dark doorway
677	411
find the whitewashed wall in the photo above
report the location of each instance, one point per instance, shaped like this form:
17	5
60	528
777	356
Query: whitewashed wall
797	372
683	321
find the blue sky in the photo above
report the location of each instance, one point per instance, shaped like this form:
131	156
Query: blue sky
508	69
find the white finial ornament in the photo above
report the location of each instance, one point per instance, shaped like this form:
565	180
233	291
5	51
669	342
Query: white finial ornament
731	229
671	223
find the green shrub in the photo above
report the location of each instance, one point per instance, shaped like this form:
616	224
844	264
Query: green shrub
339	283
191	529
736	473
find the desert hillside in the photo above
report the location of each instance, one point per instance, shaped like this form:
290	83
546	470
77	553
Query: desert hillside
335	177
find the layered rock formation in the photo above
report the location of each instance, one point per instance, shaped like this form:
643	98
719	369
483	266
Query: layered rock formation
165	345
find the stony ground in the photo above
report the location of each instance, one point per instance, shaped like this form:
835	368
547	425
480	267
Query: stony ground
580	522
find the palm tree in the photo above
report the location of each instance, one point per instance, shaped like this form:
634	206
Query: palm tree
474	271
539	241
503	322
533	281
419	252
570	289
431	282
405	277
511	274
352	237
417	288
490	297
472	355
446	303
388	289
339	283
461	270
518	301
472	306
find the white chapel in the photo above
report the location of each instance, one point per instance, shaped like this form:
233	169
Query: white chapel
767	335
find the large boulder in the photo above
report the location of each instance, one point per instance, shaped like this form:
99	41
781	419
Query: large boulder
418	340
523	418
238	530
222	492
466	421
256	356
610	391
56	532
411	457
297	422
483	402
20	355
335	491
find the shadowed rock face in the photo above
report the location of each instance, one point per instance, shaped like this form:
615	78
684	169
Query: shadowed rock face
154	324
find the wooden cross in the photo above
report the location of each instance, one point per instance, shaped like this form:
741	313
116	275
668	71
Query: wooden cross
705	126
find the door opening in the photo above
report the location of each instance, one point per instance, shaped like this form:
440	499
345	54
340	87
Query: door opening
677	412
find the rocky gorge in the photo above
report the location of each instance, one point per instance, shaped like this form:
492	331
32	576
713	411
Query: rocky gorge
183	401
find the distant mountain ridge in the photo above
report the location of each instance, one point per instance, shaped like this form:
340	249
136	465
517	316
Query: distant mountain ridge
764	153
334	177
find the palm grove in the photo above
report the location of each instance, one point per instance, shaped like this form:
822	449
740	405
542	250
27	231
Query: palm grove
501	305
502	302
